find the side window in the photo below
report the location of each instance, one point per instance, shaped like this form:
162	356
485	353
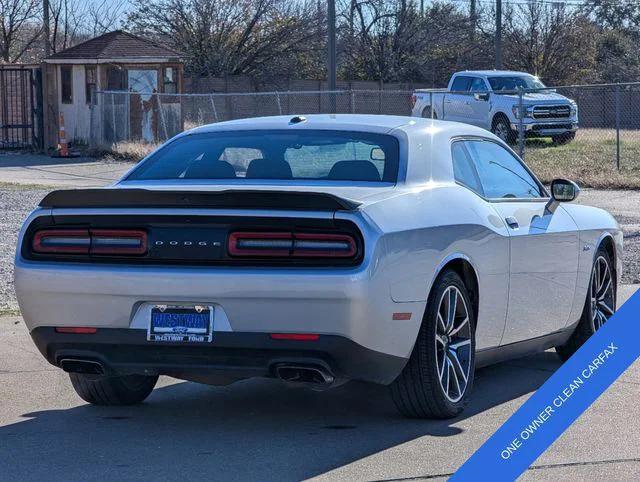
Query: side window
478	85
501	174
464	171
461	84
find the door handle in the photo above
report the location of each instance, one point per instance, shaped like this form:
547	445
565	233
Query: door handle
512	222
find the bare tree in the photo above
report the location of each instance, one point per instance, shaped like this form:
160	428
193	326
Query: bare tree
231	36
18	28
553	41
104	16
66	23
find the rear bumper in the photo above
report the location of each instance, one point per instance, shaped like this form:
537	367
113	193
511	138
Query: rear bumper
230	356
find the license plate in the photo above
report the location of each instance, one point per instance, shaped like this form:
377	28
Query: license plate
181	324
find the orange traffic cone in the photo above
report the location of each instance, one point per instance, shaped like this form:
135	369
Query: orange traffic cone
63	148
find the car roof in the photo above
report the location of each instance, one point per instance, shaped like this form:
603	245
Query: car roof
492	73
342	122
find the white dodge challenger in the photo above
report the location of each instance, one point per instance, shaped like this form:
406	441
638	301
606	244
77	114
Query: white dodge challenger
317	250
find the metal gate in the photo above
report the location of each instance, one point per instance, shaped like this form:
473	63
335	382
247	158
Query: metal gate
20	99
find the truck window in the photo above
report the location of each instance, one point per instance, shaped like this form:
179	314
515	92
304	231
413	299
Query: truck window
478	85
461	84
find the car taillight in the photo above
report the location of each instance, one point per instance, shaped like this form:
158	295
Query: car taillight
65	241
117	241
413	100
292	245
90	241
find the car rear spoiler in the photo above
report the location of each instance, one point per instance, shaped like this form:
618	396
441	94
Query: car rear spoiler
230	199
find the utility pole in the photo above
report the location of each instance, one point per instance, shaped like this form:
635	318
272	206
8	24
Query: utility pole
331	50
47	33
472	19
498	34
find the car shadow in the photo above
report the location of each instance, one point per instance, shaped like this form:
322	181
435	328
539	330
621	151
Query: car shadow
252	430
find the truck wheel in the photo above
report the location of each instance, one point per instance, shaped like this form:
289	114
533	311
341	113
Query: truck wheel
563	138
598	307
427	113
118	390
502	129
437	379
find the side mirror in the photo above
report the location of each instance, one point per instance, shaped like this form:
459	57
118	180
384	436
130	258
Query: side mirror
481	96
563	190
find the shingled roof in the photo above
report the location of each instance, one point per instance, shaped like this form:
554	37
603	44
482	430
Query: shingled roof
116	45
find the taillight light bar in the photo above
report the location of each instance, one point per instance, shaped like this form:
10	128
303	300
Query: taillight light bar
291	245
90	241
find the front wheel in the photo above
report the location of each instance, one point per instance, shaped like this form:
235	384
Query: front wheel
502	128
599	305
116	390
438	377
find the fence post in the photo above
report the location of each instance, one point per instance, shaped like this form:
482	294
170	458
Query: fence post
113	119
352	102
431	104
618	127
213	106
92	113
520	123
164	124
278	100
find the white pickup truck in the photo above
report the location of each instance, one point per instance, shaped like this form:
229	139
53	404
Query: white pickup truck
489	99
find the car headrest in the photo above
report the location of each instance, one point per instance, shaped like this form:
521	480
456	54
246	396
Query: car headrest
354	171
269	169
210	170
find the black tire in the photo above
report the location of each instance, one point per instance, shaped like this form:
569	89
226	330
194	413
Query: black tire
427	113
502	128
418	391
563	138
587	326
118	390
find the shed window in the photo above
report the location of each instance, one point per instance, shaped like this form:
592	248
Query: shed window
170	80
89	82
116	78
66	83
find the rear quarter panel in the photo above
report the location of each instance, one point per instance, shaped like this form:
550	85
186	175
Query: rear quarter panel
425	229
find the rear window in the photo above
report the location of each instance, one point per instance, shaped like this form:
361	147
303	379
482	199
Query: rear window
282	155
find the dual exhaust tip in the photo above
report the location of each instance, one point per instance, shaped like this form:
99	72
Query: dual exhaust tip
313	376
86	367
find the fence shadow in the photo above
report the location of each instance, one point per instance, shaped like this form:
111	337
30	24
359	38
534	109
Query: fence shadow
253	430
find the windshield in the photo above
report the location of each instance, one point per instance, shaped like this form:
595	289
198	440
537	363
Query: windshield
282	155
515	82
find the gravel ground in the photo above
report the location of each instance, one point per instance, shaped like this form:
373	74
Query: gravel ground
17	202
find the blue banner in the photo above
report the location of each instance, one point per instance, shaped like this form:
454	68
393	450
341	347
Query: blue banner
561	400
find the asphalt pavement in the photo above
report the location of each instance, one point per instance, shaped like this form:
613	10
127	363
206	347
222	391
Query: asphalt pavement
261	430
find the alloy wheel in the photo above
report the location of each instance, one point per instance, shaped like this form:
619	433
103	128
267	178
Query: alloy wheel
602	294
453	344
501	131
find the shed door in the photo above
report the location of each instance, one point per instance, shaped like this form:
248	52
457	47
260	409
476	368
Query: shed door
142	110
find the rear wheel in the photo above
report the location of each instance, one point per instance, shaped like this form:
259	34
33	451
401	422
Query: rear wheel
428	113
599	305
118	390
438	377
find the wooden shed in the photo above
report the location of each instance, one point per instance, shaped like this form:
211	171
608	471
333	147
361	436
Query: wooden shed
114	62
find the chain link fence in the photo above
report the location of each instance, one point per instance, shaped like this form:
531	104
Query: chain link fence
607	135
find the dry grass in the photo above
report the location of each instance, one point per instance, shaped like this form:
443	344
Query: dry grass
590	159
129	151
